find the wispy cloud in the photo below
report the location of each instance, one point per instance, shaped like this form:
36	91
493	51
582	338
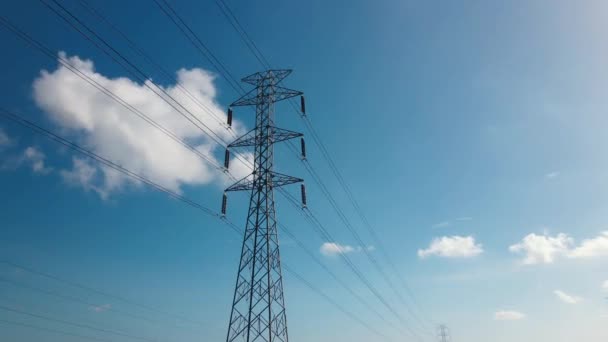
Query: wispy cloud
452	247
567	298
448	223
508	315
605	286
36	159
552	175
31	157
83	174
5	140
464	218
442	224
545	249
101	308
332	248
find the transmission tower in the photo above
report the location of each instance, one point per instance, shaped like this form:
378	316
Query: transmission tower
443	333
258	307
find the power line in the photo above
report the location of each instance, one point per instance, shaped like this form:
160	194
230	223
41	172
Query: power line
324	233
370	229
54	331
88	289
24	122
77	325
249	42
99	42
342	216
135	71
76	300
258	306
345	220
91	81
253	48
332	302
29	40
166	74
74	146
157	94
209	132
172	14
105	43
37	45
342	283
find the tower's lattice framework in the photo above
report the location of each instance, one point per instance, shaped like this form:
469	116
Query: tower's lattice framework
258	307
443	333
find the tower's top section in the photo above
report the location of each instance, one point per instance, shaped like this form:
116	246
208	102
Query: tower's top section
273	76
266	88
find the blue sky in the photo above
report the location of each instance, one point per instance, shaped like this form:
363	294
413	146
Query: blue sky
470	132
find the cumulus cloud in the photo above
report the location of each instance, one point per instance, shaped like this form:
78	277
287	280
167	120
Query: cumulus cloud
542	249
452	247
104	126
545	249
567	298
332	248
595	247
508	315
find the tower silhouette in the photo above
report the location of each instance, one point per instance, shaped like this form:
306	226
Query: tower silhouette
258	307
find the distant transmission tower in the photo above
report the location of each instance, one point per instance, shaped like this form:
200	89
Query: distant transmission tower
443	333
258	307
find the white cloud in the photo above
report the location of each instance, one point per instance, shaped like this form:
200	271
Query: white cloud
5	140
542	248
508	315
84	174
464	218
35	158
605	286
104	126
101	308
552	175
31	157
567	298
452	247
442	224
332	248
448	223
589	248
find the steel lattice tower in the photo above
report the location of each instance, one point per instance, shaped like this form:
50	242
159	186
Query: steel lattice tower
258	307
443	333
